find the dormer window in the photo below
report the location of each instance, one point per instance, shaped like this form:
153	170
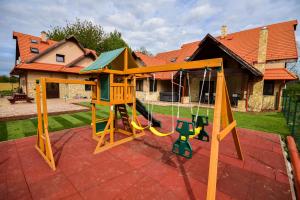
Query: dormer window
33	41
173	59
187	58
34	50
60	58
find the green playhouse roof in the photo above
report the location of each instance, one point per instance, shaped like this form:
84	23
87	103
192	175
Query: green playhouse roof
104	59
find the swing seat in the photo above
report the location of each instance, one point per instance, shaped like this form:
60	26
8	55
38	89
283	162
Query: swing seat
159	134
201	122
137	127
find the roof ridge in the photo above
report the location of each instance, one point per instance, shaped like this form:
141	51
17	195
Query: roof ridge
250	29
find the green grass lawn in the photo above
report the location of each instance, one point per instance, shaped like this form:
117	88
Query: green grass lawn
272	122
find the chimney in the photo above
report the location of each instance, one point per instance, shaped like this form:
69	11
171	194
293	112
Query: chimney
43	36
223	31
262	45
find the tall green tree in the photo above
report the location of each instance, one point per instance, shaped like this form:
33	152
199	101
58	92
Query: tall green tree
88	34
113	40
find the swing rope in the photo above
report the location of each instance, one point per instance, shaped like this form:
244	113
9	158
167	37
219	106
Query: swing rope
190	97
134	124
156	132
203	81
209	79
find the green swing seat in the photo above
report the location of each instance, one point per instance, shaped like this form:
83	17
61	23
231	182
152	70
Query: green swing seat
188	130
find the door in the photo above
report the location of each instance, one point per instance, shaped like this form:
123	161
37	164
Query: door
52	90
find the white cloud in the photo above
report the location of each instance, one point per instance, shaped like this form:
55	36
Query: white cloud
159	26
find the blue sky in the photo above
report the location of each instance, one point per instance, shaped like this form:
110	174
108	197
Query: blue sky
159	25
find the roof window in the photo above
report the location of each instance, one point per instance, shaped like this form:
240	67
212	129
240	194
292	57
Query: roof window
187	58
173	59
60	58
34	50
33	41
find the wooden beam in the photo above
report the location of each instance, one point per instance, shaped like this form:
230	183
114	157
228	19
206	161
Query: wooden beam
214	149
227	130
200	64
68	81
40	140
104	70
234	131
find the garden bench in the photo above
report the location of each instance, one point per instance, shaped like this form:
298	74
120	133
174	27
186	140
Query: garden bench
19	97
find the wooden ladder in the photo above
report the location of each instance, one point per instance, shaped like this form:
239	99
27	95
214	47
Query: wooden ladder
124	116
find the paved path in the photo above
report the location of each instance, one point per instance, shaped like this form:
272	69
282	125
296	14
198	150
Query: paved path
24	110
142	169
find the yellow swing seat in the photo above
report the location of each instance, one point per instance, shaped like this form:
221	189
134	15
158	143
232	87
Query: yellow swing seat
137	127
159	134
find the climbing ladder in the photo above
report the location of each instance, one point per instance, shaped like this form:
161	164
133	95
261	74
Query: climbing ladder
124	116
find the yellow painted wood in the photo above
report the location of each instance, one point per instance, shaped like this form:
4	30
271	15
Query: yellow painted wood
200	64
213	163
48	149
122	141
40	137
227	130
234	131
69	81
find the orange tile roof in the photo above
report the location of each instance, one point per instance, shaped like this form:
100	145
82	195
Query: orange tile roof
279	74
24	42
48	67
281	43
151	61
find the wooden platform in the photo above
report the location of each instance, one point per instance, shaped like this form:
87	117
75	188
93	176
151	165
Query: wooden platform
142	169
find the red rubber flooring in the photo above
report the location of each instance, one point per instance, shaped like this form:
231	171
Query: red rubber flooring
142	169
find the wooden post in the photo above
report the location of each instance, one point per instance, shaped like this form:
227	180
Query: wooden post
222	117
230	120
134	116
48	155
94	110
214	152
40	141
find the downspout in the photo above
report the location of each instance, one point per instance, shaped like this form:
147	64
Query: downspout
279	95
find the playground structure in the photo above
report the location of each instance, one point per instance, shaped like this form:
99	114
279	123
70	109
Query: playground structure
116	74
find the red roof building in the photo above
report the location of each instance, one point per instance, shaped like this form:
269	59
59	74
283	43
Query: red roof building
242	49
41	57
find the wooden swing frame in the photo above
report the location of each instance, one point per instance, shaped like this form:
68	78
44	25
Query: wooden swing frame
223	122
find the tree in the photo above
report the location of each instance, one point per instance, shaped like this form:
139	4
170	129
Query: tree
112	41
144	51
88	34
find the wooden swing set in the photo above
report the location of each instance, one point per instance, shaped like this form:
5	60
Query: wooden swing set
115	73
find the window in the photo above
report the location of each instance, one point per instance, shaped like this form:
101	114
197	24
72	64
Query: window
87	87
153	86
60	58
268	88
34	50
139	85
187	58
173	59
34	41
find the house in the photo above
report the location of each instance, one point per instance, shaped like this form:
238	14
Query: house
41	57
254	61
